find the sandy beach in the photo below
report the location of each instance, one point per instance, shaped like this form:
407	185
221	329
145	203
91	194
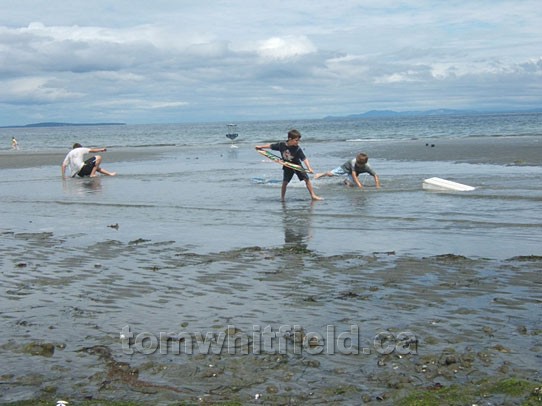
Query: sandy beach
492	150
30	159
496	151
185	280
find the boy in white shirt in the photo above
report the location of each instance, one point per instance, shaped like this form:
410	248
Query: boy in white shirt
79	167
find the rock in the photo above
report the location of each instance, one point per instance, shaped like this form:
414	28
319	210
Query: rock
41	349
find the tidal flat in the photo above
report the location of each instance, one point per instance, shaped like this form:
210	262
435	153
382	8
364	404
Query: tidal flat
404	329
185	279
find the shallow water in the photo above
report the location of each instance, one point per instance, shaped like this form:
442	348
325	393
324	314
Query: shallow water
195	240
218	198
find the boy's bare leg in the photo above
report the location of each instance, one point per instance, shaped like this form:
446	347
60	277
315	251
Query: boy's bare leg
103	171
283	191
319	175
96	166
311	190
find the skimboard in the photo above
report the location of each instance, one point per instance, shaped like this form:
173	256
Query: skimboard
443	185
282	162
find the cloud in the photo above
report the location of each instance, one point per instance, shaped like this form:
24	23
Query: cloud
141	104
34	90
199	61
277	48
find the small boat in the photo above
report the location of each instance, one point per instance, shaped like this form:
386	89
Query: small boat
232	132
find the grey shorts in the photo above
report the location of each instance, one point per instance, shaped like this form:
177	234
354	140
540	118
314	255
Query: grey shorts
338	171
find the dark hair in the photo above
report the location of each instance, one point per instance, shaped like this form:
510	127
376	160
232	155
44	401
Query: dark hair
76	145
361	158
294	134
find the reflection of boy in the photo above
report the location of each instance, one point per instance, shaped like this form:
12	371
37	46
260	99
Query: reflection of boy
352	168
291	152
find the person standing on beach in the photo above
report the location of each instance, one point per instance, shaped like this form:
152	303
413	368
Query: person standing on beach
14	143
352	168
78	166
291	152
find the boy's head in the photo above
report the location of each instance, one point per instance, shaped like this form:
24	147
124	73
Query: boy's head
76	145
294	135
361	159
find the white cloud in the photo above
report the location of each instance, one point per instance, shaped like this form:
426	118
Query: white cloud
223	60
34	90
141	104
286	47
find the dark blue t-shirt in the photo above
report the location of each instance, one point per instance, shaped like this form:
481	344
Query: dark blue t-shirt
292	154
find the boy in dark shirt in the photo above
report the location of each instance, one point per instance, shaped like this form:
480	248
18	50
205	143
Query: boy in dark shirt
291	152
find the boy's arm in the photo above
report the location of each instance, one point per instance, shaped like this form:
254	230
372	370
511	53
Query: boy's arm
64	165
93	150
308	165
266	146
356	179
377	181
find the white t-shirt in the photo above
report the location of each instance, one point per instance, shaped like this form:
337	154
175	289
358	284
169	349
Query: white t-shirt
76	159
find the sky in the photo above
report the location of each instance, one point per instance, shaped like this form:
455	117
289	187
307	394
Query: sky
176	61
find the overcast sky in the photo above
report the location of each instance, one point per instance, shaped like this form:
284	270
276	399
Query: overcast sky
172	61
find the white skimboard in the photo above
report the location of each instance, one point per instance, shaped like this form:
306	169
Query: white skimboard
439	184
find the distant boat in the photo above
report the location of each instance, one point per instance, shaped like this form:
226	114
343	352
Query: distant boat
232	132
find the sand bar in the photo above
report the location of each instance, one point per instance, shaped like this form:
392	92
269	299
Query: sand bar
486	150
29	159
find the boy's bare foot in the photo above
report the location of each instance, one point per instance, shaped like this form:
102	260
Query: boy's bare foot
314	197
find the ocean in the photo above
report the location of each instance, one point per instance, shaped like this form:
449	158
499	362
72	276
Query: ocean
191	237
195	186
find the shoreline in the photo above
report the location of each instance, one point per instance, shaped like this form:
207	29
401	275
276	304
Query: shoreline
31	159
526	151
509	151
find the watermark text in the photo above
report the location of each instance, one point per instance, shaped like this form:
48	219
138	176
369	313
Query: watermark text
268	340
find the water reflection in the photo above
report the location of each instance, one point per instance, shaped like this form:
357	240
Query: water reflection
233	152
82	186
297	225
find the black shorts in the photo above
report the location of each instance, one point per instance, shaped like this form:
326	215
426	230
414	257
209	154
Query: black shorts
87	167
288	174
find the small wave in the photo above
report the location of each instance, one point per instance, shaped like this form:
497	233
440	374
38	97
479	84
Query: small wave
151	145
263	181
368	140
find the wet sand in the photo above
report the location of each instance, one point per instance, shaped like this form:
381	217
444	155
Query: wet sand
29	159
497	150
484	150
469	323
307	327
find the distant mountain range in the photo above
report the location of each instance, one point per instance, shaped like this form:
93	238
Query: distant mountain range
53	124
436	112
